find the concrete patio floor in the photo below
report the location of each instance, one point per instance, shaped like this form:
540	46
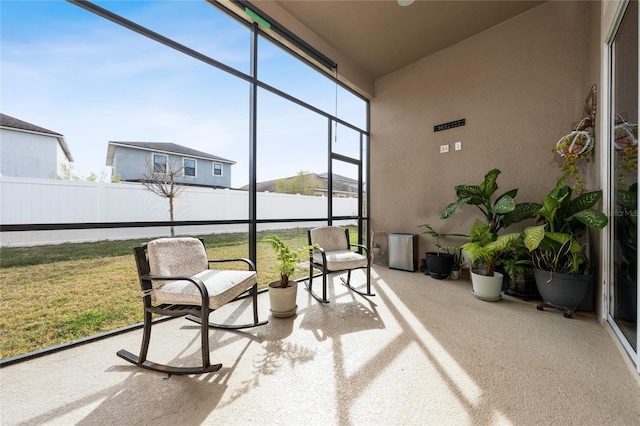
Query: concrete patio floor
421	351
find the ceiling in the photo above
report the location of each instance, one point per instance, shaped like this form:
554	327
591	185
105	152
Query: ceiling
381	37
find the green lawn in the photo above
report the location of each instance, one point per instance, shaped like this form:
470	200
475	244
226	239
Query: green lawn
56	294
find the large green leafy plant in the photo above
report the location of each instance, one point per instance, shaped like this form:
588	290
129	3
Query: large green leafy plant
486	247
500	211
553	244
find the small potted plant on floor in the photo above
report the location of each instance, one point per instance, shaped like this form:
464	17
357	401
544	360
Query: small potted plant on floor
486	248
439	263
517	269
283	293
458	262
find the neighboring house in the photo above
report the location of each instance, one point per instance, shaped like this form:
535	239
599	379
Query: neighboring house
129	160
343	187
27	150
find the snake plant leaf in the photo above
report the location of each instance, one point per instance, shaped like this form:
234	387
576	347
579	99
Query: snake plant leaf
564	238
490	185
504	205
591	217
533	235
584	201
521	212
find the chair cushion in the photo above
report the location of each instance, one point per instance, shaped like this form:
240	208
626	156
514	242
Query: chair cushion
176	256
330	238
187	257
341	260
223	287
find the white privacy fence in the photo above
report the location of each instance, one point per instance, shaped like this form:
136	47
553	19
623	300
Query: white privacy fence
37	201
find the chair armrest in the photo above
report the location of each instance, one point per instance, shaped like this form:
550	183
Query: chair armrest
250	264
366	251
322	251
195	281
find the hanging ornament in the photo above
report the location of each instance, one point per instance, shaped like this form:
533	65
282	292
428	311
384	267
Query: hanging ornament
577	143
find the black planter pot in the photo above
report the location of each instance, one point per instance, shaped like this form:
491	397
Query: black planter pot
562	291
439	265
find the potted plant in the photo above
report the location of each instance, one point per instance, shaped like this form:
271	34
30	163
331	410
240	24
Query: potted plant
561	267
486	248
283	293
517	269
458	262
498	213
377	249
439	263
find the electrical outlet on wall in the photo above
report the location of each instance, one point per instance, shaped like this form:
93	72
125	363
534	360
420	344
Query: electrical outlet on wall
457	146
444	148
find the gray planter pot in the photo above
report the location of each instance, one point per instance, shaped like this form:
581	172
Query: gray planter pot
562	291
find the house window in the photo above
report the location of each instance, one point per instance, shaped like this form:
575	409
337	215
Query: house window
217	169
159	163
189	167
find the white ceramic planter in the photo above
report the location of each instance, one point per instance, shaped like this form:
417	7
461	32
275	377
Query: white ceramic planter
487	288
283	300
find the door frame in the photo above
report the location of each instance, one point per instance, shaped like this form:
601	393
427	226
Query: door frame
611	17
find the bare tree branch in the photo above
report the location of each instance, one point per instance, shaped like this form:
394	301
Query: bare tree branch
163	183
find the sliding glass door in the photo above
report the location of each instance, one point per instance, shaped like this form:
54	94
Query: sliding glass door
623	178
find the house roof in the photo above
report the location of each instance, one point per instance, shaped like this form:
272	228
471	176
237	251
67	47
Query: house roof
163	147
340	183
8	122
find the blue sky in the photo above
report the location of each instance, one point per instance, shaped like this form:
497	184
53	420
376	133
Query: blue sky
67	70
